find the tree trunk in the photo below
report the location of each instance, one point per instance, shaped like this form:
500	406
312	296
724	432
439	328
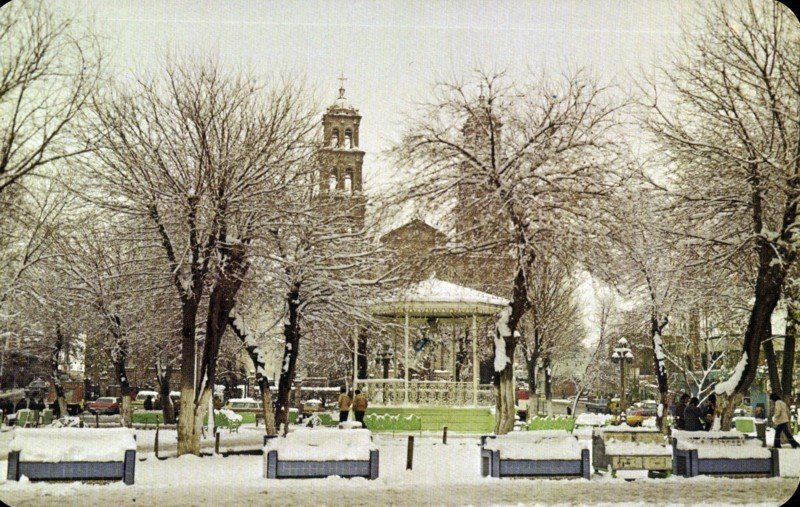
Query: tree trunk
58	346
548	384
656	327
504	346
787	366
361	354
242	331
772	368
118	358
163	375
291	335
188	432
767	292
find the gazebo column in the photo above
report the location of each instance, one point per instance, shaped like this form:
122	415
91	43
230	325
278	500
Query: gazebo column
475	365
405	361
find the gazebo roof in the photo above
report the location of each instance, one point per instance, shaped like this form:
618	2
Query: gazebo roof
437	298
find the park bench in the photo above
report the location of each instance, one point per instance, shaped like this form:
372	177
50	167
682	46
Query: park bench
549	453
626	448
72	454
321	452
27	418
724	453
228	419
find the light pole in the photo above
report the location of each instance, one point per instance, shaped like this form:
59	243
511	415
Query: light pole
622	354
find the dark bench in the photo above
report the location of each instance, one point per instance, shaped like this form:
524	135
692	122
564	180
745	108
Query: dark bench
49	463
719	453
534	454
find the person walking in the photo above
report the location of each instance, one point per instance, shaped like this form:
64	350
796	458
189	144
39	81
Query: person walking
360	407
691	416
710	411
680	421
344	404
780	418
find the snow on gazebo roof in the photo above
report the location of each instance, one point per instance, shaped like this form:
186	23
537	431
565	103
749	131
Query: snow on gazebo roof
437	298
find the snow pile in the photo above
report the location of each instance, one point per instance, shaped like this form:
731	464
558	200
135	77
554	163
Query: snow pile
617	448
350	425
589	419
230	414
536	445
73	444
720	444
317	444
729	385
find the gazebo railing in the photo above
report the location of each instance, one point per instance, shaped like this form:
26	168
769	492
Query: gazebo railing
425	392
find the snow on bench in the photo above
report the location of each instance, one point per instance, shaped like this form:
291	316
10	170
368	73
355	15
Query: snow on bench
630	448
721	453
550	453
321	452
72	454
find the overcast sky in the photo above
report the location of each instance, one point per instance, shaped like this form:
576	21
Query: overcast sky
390	52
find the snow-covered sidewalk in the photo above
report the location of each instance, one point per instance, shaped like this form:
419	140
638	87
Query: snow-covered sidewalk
442	475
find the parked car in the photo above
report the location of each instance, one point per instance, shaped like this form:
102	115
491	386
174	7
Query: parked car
243	405
105	405
598	406
641	411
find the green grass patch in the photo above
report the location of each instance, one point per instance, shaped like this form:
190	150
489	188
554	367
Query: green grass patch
476	420
551	423
388	422
147	417
746	425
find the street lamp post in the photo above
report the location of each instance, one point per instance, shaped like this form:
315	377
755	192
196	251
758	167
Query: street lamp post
385	356
622	354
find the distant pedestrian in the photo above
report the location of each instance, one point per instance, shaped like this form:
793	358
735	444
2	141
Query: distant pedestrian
345	402
691	416
148	403
360	407
680	421
780	418
22	404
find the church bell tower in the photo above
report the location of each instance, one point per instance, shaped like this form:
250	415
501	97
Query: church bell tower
342	160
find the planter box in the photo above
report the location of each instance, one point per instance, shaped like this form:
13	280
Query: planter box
57	455
626	448
722	453
534	454
320	453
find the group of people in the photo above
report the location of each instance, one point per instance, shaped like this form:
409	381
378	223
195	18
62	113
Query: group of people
690	415
357	403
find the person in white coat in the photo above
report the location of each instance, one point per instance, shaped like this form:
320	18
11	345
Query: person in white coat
780	418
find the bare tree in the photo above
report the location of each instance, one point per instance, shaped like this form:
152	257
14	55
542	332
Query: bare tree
730	130
203	157
552	330
523	165
49	67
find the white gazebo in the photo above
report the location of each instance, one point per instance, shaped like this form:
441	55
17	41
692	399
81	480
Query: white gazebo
442	300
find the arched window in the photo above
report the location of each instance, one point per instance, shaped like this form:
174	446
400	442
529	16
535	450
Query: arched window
348	139
335	138
333	180
348	181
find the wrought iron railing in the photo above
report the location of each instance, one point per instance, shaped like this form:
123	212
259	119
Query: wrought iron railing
425	392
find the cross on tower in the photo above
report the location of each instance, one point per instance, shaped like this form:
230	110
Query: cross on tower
342	79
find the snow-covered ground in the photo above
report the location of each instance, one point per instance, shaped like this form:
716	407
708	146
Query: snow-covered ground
442	475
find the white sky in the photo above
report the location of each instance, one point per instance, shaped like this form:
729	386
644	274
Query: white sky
390	51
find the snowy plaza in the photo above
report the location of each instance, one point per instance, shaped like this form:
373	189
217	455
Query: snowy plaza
399	252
